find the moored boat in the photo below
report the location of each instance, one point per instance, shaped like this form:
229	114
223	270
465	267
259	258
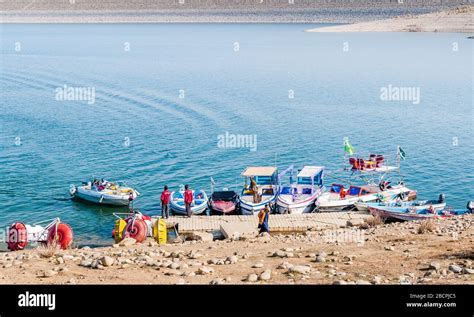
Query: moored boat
438	204
403	213
104	192
375	163
299	197
337	198
223	202
261	190
198	206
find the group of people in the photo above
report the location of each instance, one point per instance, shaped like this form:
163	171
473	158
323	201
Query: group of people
165	201
99	185
263	215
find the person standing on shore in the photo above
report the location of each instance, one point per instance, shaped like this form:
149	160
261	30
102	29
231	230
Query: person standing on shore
165	203
263	216
188	199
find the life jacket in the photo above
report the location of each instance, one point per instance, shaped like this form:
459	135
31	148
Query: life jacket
342	194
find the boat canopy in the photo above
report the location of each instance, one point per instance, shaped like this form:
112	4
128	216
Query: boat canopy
310	171
289	171
259	171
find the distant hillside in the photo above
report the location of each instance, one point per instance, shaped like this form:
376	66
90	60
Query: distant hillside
32	5
212	11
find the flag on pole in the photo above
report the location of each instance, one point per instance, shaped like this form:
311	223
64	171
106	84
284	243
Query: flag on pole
348	147
401	153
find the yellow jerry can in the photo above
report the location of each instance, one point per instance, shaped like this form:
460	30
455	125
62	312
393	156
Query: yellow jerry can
119	228
159	231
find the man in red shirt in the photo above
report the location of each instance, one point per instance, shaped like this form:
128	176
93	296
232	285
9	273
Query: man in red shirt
165	203
188	199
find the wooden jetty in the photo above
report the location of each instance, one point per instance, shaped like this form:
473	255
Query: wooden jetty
277	223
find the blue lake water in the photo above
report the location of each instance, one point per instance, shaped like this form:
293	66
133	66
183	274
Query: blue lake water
141	131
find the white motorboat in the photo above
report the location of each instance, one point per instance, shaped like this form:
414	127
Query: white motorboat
438	204
337	198
264	192
300	197
105	193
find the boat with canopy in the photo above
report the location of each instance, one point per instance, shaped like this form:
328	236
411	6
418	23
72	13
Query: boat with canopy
299	197
260	188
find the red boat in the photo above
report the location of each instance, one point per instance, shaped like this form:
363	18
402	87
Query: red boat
223	202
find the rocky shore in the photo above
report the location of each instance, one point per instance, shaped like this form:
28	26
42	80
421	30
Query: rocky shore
427	252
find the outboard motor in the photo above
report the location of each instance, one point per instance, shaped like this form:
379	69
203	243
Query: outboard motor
402	196
441	198
470	206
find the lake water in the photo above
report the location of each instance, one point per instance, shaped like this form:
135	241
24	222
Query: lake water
165	93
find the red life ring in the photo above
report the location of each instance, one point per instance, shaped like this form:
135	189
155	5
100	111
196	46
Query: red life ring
62	234
136	229
17	236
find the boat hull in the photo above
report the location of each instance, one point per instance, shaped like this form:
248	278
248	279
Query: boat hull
402	213
177	203
285	205
365	206
178	210
249	208
102	199
331	201
396	215
220	207
406	216
341	204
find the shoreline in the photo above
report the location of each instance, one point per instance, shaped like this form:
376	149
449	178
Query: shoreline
457	20
390	253
195	11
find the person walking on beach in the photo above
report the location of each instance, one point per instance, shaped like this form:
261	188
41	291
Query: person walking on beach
188	199
165	203
263	216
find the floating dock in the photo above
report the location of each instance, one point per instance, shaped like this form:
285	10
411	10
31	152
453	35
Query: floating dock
277	223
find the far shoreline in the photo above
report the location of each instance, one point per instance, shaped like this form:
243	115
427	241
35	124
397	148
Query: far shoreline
457	20
89	12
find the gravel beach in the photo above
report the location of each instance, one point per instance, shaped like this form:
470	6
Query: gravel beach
440	252
454	20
